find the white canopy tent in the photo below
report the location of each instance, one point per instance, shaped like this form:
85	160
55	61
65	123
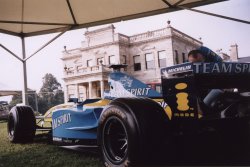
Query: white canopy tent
25	18
35	17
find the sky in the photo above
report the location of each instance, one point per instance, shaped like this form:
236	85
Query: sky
216	33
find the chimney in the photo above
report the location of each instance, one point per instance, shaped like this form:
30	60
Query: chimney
234	52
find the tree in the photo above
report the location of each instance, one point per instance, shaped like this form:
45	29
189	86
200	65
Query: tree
50	94
16	99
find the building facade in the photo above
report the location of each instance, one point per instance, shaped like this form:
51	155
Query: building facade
233	55
85	68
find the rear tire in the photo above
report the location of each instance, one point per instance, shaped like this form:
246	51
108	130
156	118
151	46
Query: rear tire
21	124
141	124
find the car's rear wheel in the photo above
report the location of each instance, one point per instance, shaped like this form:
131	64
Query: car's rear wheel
21	124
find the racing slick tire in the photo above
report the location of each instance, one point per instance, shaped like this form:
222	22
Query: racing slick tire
130	131
21	124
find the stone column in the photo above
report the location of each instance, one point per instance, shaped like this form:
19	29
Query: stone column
102	88
90	90
85	92
76	91
66	96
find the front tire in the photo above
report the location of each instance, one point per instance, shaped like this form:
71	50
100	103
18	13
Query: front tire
130	131
21	124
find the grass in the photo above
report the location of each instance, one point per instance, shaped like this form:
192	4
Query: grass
41	153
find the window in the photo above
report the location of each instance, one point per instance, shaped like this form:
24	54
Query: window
124	61
162	58
176	57
150	63
184	58
89	63
112	59
100	61
137	63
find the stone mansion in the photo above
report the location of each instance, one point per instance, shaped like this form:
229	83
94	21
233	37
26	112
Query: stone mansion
85	68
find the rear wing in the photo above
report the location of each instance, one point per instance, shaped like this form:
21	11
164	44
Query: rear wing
213	75
181	84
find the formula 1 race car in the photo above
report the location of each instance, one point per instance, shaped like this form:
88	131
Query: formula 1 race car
133	123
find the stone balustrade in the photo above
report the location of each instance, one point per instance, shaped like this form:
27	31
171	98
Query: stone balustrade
185	37
71	53
150	35
80	70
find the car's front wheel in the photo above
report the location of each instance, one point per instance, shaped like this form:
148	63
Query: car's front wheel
130	131
115	143
117	137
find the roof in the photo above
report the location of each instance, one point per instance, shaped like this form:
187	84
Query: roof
9	92
35	17
13	92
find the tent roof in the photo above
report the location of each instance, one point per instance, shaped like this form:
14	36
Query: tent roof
36	17
9	92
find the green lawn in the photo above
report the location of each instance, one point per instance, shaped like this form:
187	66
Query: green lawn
40	153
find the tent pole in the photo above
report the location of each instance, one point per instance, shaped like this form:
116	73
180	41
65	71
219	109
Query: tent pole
36	102
10	52
25	89
50	41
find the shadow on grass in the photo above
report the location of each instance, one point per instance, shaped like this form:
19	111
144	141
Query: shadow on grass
43	138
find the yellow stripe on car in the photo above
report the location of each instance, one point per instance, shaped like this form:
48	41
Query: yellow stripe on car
102	102
166	108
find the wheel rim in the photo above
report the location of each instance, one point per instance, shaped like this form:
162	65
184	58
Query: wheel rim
11	126
115	141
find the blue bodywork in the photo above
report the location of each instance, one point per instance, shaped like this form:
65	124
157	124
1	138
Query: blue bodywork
79	123
76	123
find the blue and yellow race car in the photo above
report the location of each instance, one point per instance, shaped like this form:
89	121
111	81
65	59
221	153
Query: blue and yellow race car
134	123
